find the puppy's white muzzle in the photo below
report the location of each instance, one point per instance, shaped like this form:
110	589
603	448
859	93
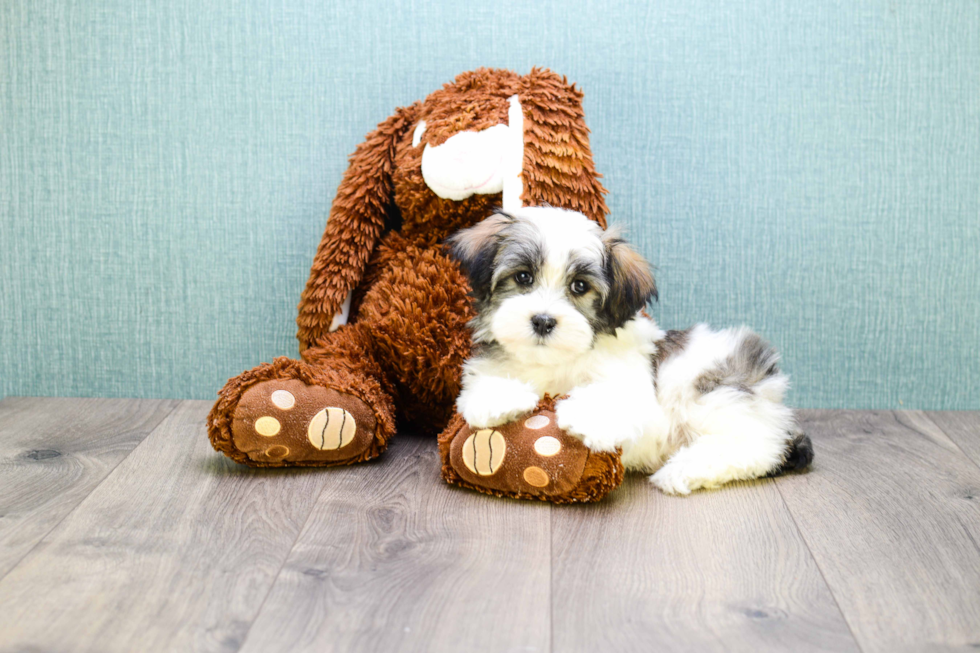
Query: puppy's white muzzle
540	324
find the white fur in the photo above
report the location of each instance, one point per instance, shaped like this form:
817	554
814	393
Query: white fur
722	436
490	400
688	439
564	232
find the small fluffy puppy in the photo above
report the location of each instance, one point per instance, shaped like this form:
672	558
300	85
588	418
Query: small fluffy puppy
560	312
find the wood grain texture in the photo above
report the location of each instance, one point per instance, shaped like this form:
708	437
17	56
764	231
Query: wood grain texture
963	428
179	549
892	516
174	551
53	452
393	559
723	570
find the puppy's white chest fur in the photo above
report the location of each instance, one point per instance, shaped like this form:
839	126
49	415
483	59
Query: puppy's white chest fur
611	396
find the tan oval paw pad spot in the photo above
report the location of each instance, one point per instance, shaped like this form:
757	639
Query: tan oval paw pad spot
277	452
331	428
483	452
283	399
547	446
536	476
267	426
536	422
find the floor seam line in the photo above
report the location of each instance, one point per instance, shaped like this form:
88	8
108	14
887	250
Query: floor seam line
949	437
94	488
816	563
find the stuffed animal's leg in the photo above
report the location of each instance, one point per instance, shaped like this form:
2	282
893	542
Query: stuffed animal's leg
328	409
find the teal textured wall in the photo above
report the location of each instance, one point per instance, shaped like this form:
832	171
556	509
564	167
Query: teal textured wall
811	169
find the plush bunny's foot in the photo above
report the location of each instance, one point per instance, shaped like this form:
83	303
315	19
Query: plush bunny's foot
284	421
529	458
279	421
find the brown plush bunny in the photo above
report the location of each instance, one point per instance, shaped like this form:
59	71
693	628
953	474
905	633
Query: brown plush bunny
382	321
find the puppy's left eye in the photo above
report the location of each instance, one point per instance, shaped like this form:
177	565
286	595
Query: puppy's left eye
579	287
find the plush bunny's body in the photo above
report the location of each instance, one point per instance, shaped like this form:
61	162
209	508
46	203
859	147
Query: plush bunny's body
383	319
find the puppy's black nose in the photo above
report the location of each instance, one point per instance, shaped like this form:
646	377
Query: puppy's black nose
543	324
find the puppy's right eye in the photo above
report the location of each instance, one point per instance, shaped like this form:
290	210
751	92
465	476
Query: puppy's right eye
523	278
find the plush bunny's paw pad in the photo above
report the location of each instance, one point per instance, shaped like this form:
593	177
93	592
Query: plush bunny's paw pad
527	458
287	421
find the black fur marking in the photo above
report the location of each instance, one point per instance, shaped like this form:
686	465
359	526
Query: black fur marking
504	246
477	259
798	455
480	268
516	255
585	269
591	303
631	284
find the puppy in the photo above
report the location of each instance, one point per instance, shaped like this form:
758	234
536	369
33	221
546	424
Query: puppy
560	312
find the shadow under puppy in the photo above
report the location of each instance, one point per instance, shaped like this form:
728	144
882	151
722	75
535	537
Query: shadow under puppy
560	313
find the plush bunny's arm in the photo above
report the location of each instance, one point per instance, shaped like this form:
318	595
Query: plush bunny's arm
356	222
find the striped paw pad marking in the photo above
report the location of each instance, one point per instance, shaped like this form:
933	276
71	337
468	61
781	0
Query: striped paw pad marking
283	399
547	446
331	428
536	476
267	426
277	452
537	422
484	451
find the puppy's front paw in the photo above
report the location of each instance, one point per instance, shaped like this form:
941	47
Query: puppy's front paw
487	407
671	479
600	429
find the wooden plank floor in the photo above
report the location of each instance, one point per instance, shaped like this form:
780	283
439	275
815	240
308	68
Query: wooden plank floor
121	530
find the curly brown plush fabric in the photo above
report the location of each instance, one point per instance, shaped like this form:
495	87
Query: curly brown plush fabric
400	355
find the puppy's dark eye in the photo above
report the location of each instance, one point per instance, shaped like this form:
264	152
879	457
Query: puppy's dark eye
579	287
523	278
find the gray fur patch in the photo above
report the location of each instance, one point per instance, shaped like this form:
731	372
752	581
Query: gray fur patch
753	361
673	343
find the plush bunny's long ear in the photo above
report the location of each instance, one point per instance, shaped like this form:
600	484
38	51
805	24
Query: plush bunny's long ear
558	166
356	222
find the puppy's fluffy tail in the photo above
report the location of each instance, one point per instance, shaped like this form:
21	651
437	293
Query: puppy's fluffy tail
799	454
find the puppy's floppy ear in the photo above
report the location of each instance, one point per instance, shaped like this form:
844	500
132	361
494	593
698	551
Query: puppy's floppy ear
631	284
475	249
